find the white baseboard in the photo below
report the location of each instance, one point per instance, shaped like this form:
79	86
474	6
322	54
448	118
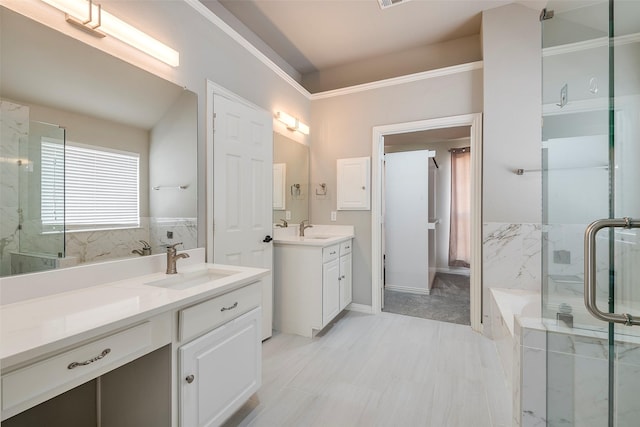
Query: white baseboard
360	308
458	271
408	289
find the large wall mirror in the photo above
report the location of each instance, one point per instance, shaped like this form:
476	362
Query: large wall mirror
98	158
290	180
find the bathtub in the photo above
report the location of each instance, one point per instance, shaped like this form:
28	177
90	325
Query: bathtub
509	308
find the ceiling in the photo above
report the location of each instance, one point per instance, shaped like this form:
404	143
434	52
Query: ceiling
315	35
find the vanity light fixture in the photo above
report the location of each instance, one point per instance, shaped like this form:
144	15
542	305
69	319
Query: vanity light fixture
292	123
90	17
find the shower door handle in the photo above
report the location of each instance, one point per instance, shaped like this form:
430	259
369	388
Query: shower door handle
590	269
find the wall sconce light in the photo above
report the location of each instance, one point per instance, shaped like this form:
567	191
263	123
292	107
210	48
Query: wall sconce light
292	123
90	17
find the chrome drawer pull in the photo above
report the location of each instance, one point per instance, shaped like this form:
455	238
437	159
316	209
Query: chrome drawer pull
87	362
332	253
229	308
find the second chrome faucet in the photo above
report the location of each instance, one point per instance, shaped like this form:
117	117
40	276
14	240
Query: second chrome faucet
304	227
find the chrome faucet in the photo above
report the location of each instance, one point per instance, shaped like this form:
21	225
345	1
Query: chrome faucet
172	257
303	227
284	224
146	249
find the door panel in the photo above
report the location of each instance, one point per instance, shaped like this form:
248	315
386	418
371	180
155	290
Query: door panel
407	221
242	181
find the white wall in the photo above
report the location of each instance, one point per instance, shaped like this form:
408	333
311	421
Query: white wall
512	115
511	247
173	161
342	128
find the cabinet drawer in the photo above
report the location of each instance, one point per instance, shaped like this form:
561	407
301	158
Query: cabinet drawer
345	247
330	252
216	311
39	379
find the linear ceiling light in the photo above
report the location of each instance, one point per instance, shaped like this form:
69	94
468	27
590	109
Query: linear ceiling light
93	19
292	123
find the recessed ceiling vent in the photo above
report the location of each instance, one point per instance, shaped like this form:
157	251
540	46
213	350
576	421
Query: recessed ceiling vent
388	3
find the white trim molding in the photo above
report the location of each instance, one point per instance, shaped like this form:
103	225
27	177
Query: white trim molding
425	75
377	150
408	289
360	308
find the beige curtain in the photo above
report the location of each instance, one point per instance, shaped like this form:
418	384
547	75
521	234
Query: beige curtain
460	222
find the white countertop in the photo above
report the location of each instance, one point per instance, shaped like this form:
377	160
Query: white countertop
34	326
317	235
321	241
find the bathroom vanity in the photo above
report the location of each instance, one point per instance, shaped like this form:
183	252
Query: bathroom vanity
312	278
151	349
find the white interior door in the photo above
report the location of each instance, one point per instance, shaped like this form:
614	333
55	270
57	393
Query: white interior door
406	221
242	187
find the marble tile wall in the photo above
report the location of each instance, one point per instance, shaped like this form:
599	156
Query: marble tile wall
511	258
183	230
14	131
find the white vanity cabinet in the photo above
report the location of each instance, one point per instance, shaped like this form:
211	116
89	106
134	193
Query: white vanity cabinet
134	353
221	369
346	283
330	284
312	284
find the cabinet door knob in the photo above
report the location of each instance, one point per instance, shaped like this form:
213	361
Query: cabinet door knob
190	378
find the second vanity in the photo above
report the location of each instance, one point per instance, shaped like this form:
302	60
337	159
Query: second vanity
151	349
312	278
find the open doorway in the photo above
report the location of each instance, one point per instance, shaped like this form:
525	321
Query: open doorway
426	214
474	123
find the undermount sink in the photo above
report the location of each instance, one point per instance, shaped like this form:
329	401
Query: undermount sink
192	278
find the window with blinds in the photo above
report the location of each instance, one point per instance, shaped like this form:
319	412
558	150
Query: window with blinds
100	188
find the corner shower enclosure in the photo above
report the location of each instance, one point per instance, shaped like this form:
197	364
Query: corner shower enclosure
591	173
31	192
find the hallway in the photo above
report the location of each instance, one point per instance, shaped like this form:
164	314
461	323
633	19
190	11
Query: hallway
448	301
384	370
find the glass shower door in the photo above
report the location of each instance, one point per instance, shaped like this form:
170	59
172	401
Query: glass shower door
591	171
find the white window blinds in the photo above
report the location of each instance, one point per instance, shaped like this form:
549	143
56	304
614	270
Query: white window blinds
101	188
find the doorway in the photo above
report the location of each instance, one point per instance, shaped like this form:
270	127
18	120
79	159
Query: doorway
474	124
426	240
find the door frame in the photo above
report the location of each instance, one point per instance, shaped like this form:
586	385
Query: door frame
377	149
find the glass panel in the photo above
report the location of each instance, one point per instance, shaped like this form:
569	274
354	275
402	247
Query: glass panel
575	151
625	249
591	156
576	177
40	185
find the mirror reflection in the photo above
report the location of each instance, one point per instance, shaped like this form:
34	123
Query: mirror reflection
290	180
97	157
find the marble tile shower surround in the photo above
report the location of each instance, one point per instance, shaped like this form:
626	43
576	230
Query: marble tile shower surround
564	375
14	130
511	258
511	255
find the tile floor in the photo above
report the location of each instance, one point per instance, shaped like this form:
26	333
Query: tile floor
382	370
